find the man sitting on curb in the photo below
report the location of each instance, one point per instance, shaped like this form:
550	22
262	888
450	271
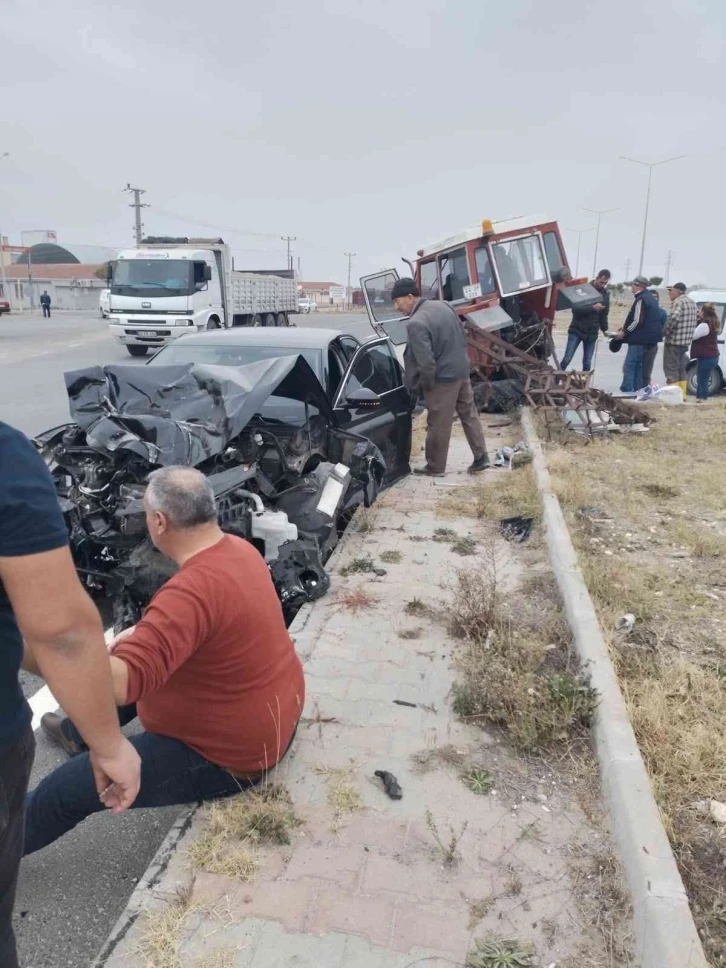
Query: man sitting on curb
436	362
210	670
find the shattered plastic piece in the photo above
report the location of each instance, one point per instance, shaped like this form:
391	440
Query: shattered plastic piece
516	529
390	784
626	623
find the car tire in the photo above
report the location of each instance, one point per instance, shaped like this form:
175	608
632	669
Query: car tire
715	385
138	350
256	320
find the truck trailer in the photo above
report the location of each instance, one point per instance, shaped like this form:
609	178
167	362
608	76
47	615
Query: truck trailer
171	286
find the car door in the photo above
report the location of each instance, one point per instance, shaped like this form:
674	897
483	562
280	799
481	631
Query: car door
373	402
383	315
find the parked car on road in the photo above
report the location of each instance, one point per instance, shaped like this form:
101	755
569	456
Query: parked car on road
4	306
306	305
718	298
294	428
104	303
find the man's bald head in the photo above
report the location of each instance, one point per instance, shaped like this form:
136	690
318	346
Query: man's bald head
183	495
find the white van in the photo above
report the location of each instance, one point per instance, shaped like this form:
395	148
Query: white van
718	298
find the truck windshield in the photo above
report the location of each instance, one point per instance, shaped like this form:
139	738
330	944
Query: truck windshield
152	277
520	264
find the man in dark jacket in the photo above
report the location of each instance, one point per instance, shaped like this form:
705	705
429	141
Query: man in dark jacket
642	330
437	364
45	303
586	323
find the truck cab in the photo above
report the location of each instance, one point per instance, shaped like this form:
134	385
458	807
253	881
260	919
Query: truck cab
166	288
503	276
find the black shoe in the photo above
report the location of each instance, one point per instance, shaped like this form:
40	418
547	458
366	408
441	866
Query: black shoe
52	726
480	464
427	471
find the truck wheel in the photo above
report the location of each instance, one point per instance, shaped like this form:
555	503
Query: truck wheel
256	320
269	319
282	319
137	350
213	323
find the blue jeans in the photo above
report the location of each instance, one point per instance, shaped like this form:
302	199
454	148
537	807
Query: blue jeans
704	369
633	370
171	773
588	349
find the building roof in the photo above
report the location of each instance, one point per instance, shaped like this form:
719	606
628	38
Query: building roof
74	271
320	286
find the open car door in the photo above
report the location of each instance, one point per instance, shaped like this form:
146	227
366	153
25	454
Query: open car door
383	315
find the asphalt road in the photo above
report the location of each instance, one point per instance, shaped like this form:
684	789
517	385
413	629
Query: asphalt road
71	893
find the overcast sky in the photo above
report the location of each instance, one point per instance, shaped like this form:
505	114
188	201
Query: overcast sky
368	126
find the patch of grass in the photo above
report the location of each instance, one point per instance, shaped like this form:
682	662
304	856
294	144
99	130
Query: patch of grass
505	496
417	608
443	535
161	934
222	957
215	854
656	489
429	759
479	909
494	953
356	600
447	852
391	557
366	520
464	546
413	633
358	566
511	677
479	781
341	793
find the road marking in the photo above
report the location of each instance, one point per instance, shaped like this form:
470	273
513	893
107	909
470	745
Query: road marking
43	701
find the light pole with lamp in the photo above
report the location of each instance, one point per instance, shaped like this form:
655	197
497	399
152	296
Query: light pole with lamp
650	166
593	211
580	233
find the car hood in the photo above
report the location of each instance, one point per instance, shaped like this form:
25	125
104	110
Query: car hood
185	413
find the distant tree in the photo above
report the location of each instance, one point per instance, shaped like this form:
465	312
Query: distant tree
655	280
102	271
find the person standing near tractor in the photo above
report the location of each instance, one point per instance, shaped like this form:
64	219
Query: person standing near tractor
587	324
641	330
704	349
677	335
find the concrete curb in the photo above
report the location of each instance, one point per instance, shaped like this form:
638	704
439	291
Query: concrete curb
665	932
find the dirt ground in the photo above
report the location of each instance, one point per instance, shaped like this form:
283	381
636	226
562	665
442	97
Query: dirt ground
648	517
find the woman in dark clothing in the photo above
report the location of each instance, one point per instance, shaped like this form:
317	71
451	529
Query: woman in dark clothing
704	349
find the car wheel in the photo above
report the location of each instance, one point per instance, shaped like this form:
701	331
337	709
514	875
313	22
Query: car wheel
256	320
269	319
213	323
282	319
715	384
137	350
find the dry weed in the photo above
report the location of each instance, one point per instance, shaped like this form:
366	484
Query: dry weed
413	633
391	557
447	852
341	794
365	520
356	600
222	957
161	934
511	493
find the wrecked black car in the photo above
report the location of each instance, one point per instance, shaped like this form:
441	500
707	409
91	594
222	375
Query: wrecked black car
288	468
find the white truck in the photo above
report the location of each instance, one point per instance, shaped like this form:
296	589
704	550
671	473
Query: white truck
171	286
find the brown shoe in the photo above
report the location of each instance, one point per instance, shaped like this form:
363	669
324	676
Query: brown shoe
427	471
52	726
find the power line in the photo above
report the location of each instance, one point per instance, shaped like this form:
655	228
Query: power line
137	205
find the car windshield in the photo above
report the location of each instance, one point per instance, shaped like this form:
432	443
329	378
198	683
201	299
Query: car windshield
277	409
153	277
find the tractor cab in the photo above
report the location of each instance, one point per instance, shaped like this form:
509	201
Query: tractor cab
502	276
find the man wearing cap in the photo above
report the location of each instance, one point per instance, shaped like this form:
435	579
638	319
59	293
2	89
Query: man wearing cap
677	335
437	364
641	331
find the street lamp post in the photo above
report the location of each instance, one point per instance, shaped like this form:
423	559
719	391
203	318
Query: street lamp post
650	166
593	211
580	233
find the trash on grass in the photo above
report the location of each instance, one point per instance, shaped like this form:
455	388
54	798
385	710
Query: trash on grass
516	529
626	623
717	811
390	784
402	702
511	457
670	394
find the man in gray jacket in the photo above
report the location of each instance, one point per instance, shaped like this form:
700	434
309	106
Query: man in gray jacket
436	363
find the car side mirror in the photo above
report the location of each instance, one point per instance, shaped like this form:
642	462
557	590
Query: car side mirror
362	397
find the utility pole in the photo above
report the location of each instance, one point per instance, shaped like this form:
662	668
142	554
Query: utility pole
137	205
669	266
580	233
650	166
289	239
593	211
351	256
628	264
6	291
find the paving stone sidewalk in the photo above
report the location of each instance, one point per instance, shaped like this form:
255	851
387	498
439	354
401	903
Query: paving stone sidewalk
371	888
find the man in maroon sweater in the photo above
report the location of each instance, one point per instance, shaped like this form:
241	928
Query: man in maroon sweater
210	671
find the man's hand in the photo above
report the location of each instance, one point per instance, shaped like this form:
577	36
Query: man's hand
117	777
121	637
598	306
620	334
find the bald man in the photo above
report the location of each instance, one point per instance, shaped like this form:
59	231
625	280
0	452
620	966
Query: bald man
210	671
